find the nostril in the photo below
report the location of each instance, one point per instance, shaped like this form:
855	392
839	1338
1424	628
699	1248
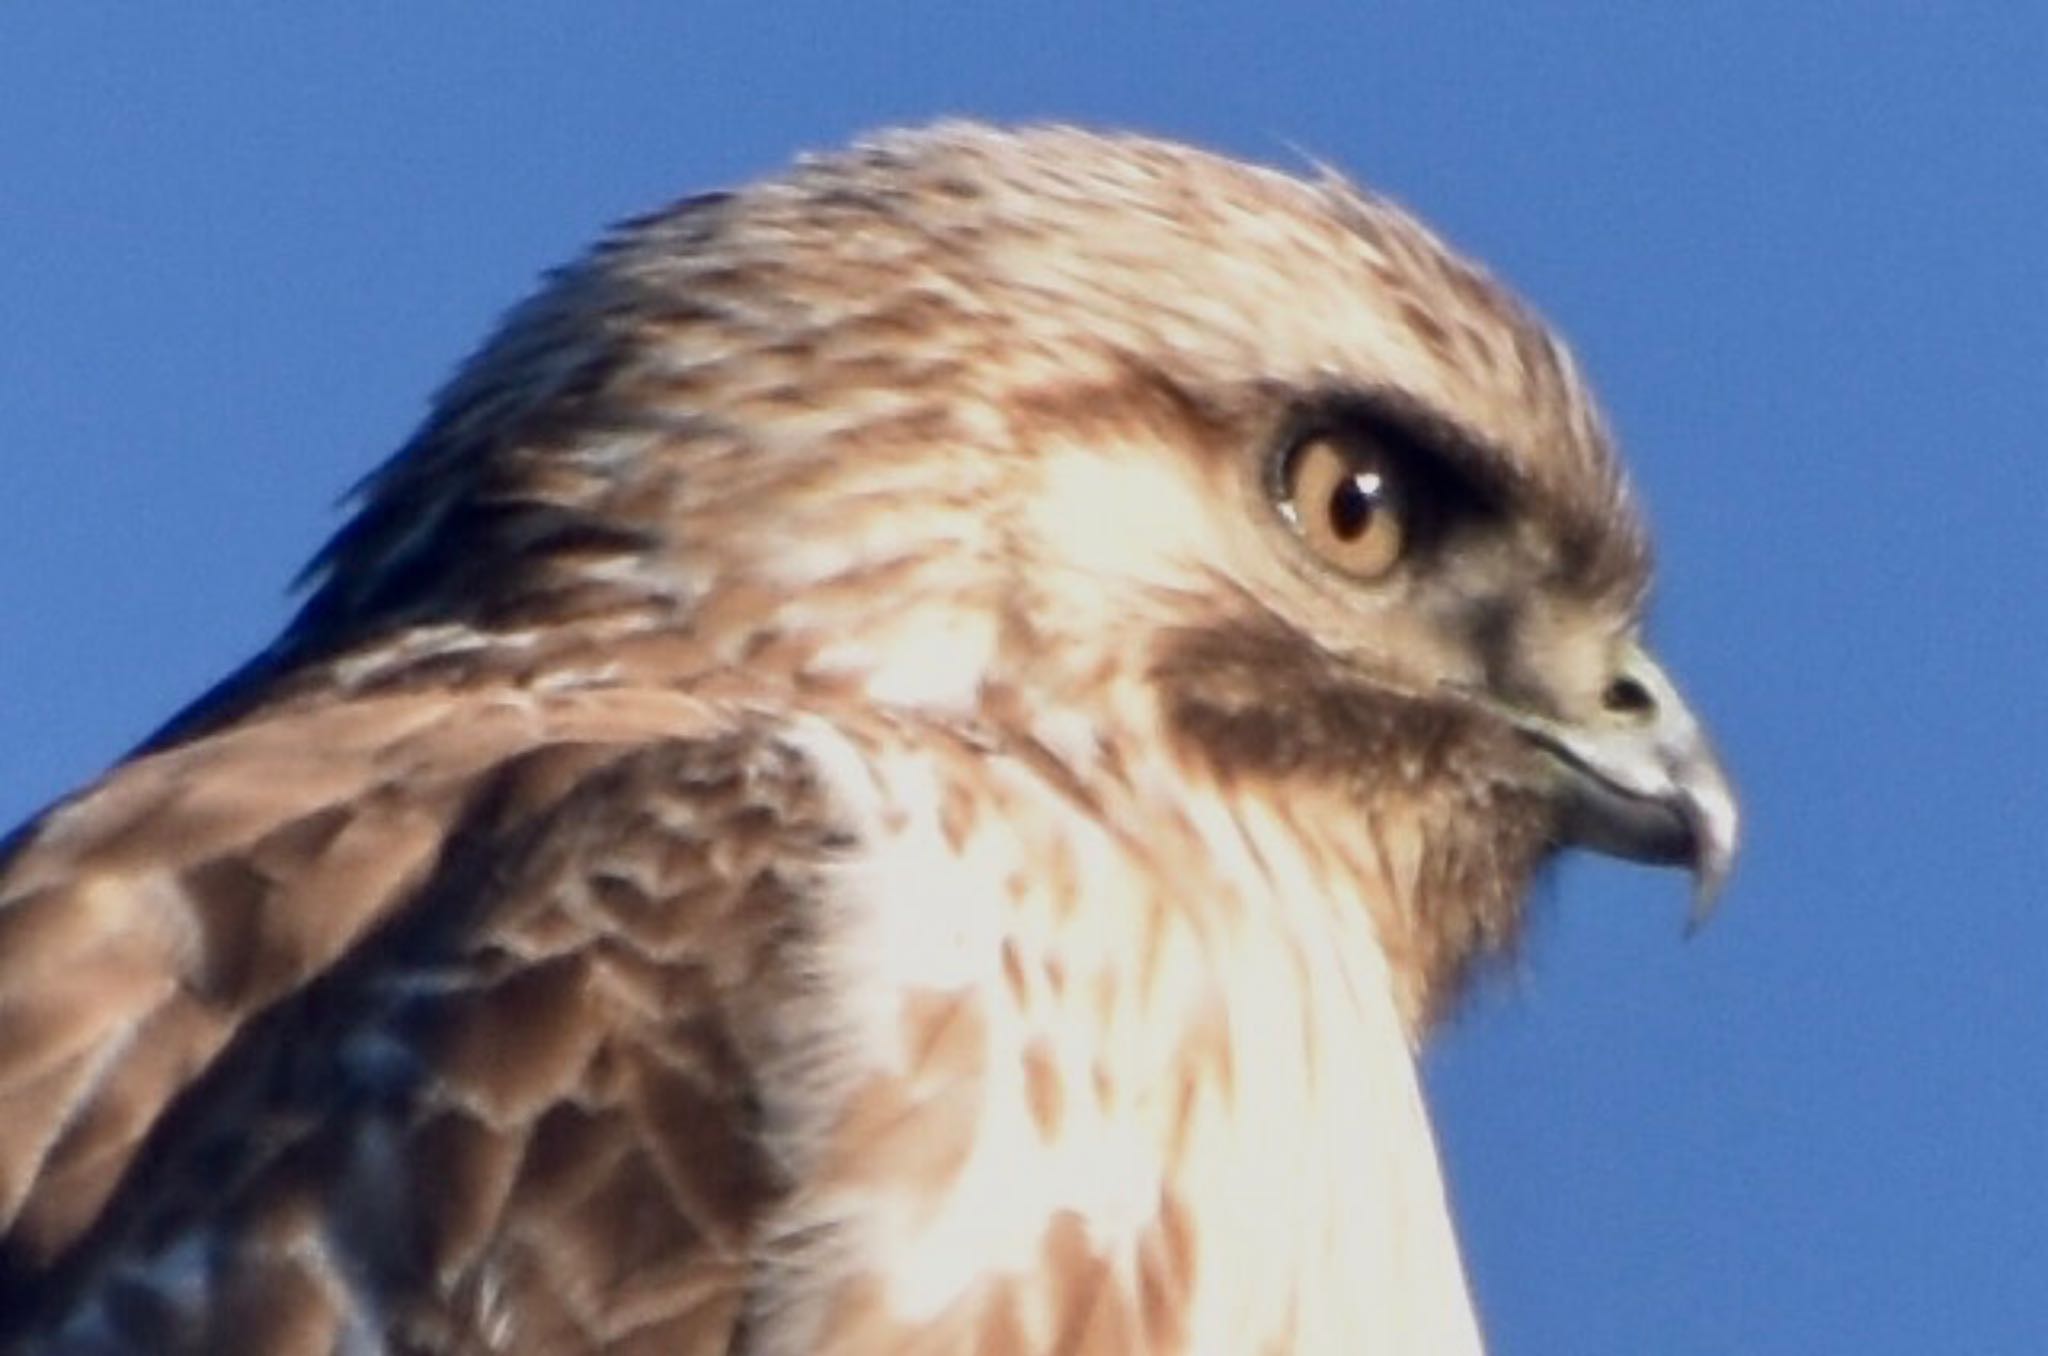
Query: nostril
1627	697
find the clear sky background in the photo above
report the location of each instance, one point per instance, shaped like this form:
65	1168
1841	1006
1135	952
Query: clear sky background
1800	247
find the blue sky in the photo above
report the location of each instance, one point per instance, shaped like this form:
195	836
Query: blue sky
1799	247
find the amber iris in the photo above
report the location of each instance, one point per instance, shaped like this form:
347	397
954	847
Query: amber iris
1344	497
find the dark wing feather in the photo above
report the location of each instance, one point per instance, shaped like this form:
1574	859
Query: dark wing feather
425	1019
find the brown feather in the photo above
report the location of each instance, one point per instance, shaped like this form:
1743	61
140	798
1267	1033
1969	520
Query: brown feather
495	951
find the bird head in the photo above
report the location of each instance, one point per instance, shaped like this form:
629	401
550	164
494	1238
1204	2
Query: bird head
965	422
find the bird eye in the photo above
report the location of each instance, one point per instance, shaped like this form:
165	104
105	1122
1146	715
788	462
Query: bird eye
1344	495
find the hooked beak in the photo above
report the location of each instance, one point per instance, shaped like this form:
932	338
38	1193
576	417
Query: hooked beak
1642	782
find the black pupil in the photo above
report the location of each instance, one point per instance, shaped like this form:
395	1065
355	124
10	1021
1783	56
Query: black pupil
1352	504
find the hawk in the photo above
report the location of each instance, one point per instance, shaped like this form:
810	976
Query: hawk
900	766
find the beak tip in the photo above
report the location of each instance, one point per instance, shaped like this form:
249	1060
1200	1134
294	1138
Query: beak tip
1715	829
1706	898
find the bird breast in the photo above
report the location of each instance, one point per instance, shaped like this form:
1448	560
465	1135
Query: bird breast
1106	1072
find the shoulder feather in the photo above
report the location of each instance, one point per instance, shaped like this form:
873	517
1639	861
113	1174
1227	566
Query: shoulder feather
419	1016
